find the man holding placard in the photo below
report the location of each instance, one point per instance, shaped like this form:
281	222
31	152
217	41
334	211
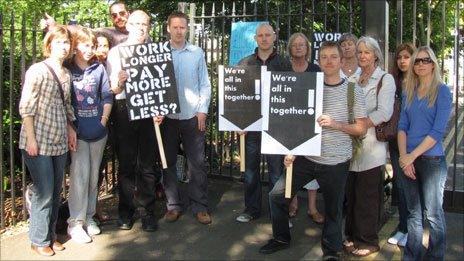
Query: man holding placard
137	147
189	125
265	54
331	168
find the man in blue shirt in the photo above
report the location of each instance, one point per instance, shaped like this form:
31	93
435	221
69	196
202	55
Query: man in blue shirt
189	125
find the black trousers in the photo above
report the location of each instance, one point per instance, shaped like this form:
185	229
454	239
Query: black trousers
138	155
331	179
193	142
363	199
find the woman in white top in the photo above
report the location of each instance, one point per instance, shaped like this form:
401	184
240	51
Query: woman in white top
365	182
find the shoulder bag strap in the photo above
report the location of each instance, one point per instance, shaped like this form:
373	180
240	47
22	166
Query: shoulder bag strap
379	86
60	87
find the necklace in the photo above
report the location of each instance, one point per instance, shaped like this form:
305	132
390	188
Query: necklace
365	76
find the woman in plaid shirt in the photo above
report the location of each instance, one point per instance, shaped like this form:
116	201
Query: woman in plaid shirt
46	135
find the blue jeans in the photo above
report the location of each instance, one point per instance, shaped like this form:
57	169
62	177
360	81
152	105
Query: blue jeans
253	187
425	199
47	176
332	180
398	185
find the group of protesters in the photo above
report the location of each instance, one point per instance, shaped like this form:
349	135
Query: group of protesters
69	99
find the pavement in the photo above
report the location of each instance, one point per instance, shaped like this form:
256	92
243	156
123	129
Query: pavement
225	238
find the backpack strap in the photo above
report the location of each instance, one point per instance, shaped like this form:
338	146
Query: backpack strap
350	102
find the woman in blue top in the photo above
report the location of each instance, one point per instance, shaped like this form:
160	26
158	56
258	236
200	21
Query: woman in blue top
425	111
92	102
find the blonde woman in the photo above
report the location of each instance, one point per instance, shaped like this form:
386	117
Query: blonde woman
424	115
46	135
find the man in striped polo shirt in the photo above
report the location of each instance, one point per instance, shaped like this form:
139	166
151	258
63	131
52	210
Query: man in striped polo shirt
331	168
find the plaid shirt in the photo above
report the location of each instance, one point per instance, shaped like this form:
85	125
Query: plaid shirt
40	99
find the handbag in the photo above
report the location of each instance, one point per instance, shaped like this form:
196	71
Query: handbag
387	131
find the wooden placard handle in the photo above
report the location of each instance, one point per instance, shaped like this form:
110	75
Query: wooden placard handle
288	181
242	152
160	144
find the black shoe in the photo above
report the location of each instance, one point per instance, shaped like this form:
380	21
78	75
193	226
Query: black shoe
125	224
149	223
273	246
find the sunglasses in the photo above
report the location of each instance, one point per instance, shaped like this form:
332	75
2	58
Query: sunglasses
121	13
425	60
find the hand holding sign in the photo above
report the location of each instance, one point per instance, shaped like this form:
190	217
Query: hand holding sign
291	104
149	80
240	102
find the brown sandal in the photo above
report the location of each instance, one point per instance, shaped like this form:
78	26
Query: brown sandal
348	246
365	251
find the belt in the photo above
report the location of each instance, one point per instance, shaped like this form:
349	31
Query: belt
425	157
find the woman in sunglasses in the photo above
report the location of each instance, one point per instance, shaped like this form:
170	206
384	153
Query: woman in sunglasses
425	111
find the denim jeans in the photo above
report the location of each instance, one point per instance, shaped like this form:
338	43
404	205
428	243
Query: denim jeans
331	179
398	188
253	187
425	199
47	176
84	172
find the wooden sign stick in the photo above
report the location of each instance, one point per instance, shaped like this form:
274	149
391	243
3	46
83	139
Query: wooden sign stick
288	181
160	144
242	152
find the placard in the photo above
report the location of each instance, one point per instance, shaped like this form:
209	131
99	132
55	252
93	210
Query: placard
239	98
318	39
242	40
292	102
151	88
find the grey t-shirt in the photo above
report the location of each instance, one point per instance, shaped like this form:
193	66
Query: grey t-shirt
336	145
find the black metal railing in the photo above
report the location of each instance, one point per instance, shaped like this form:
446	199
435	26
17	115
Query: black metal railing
212	21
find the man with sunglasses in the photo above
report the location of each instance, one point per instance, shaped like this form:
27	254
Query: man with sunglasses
117	34
119	15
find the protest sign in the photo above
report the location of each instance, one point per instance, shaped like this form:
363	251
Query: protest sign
151	85
239	98
242	40
292	102
318	39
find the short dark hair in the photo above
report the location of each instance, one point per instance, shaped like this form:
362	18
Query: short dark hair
118	3
347	37
177	14
330	44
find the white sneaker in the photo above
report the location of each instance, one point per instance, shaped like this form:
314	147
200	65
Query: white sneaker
92	227
78	234
395	238
402	242
244	218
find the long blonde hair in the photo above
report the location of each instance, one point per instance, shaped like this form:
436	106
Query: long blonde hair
412	80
